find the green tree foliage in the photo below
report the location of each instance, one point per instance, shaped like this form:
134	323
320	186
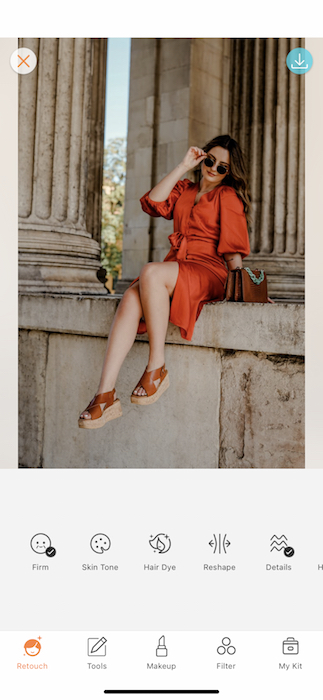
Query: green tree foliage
114	175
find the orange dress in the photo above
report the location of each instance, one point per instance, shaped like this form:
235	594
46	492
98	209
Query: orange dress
203	233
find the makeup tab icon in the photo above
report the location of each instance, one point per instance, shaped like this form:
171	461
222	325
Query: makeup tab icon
161	649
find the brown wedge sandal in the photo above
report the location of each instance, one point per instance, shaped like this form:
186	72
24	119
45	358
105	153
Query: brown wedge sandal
99	417
154	383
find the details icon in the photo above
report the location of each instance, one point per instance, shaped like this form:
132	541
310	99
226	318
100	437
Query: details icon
281	544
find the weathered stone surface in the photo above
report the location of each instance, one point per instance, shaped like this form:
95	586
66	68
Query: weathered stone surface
269	328
60	166
32	382
179	431
260	422
261	412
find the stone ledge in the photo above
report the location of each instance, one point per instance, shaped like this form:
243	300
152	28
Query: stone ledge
269	328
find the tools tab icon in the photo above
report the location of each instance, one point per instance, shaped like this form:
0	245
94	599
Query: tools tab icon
96	646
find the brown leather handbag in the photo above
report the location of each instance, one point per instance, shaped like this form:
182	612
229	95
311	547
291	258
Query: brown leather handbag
246	285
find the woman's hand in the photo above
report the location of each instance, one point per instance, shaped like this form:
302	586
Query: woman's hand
193	157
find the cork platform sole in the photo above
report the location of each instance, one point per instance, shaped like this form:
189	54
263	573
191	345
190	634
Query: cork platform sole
147	400
113	411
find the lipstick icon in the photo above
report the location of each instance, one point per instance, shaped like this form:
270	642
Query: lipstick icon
161	649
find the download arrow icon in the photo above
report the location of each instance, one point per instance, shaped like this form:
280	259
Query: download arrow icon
299	62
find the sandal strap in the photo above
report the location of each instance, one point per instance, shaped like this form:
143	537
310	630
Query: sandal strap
150	381
94	408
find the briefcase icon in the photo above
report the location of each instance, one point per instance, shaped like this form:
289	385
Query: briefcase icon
290	646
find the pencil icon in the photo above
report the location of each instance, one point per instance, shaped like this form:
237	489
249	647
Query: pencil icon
98	644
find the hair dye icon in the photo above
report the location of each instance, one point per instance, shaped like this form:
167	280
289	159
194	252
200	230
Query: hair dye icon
160	543
32	647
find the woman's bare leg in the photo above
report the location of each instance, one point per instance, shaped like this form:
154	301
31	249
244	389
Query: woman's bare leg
156	285
121	338
149	298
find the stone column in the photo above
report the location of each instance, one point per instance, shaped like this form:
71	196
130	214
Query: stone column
179	97
61	123
267	118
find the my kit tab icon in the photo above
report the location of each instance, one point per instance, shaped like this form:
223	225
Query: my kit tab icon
290	646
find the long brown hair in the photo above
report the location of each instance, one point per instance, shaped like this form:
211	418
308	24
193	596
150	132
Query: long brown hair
237	177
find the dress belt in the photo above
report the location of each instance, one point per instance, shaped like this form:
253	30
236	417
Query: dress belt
179	242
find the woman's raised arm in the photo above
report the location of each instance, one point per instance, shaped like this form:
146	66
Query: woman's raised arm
193	157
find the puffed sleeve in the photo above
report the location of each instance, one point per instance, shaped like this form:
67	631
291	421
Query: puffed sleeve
165	208
233	225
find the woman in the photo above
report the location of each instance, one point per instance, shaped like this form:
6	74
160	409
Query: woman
210	229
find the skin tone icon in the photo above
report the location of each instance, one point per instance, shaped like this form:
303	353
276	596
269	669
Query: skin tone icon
195	269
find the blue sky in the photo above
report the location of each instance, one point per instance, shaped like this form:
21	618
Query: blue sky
118	69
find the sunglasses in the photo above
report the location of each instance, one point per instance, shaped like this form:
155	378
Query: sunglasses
209	162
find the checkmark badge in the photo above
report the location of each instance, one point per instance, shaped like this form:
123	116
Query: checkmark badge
278	543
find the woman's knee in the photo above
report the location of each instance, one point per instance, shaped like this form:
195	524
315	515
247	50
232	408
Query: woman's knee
148	270
150	273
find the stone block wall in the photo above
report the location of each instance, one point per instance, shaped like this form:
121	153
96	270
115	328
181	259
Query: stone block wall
236	398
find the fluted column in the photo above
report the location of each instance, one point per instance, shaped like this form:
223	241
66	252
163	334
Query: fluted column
61	124
179	94
267	118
